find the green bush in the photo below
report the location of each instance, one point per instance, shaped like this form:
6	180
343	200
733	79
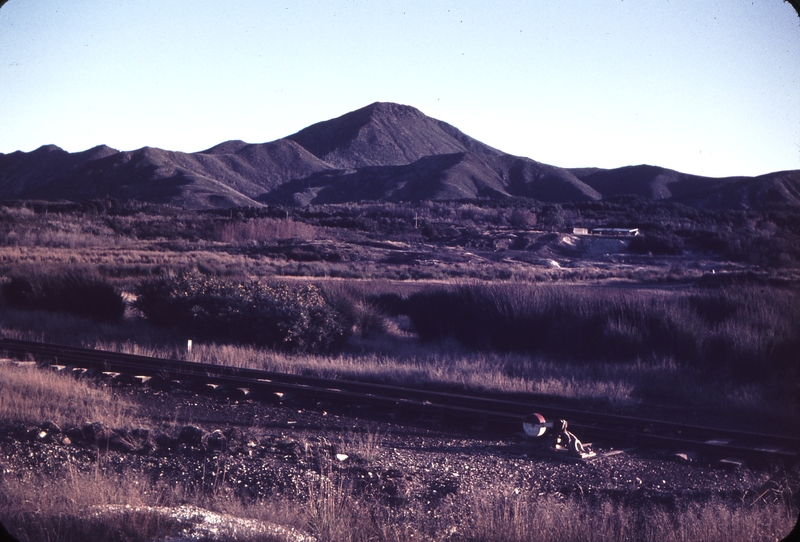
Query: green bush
73	293
287	317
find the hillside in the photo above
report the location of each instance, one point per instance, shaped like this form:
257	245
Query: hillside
384	151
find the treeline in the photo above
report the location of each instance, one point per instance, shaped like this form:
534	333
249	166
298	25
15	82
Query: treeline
769	238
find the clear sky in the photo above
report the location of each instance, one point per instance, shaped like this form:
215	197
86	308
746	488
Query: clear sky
710	87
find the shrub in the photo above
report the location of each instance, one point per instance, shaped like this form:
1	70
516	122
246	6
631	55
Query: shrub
288	317
364	317
656	244
73	293
522	219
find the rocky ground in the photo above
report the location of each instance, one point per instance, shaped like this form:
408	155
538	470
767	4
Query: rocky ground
265	450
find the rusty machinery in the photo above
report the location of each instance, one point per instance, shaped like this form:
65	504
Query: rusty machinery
555	438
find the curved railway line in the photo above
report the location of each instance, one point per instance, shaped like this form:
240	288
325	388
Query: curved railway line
613	429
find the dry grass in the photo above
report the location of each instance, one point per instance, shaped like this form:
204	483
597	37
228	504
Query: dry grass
265	229
509	517
65	510
61	509
31	395
365	445
432	366
620	385
127	265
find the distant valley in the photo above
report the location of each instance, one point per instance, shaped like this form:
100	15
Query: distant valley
382	152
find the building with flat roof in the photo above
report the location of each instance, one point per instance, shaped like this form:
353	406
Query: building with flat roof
631	232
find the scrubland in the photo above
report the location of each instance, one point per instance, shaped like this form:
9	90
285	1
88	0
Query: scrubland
360	293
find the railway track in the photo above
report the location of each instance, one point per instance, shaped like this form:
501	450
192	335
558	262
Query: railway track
614	429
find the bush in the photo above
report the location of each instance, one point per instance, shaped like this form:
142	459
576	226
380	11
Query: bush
288	317
73	293
656	244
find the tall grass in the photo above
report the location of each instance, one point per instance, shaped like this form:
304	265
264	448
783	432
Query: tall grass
511	518
264	229
60	507
31	395
748	332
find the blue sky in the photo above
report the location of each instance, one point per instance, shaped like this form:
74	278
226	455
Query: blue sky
710	87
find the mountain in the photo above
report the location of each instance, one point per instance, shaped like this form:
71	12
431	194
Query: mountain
657	183
385	151
460	175
23	173
385	134
219	177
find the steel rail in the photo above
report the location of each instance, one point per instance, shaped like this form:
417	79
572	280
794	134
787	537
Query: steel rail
496	411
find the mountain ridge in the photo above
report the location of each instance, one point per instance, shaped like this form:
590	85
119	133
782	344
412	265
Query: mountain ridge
384	151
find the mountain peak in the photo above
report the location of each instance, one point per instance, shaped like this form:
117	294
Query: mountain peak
49	148
384	134
96	152
391	109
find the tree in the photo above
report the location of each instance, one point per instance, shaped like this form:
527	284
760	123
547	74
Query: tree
552	217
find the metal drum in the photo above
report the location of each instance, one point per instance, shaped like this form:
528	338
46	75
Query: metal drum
535	425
